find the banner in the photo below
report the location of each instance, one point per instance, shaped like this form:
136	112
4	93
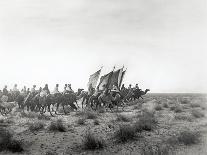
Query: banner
94	79
122	76
104	81
115	79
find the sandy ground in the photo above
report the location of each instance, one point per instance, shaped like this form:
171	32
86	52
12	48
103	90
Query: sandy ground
70	142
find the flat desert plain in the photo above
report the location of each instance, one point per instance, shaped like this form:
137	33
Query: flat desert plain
160	124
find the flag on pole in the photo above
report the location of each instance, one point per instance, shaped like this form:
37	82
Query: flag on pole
104	81
94	79
114	79
122	77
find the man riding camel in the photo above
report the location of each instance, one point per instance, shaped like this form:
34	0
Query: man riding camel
5	91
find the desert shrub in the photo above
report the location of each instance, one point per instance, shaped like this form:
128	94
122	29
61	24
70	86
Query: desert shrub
159	149
172	108
36	126
165	105
184	117
184	101
189	137
138	106
91	115
195	105
101	110
44	117
51	153
96	122
123	118
146	122
81	121
158	107
197	114
178	109
7	143
125	133
92	142
57	126
29	114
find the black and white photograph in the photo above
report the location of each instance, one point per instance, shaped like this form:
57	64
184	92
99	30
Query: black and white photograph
103	77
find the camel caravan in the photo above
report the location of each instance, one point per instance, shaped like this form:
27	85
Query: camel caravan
109	93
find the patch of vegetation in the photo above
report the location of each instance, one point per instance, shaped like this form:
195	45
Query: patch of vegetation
197	114
58	126
7	143
147	122
81	121
51	153
125	133
44	117
184	118
138	106
92	142
36	126
184	101
101	110
123	118
96	122
189	137
158	107
178	109
159	149
195	105
28	114
91	115
165	105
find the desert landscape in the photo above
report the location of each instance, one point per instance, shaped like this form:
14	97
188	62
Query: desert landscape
160	124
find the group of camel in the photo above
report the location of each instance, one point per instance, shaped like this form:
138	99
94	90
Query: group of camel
52	102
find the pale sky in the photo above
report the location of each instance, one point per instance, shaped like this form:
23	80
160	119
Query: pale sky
163	43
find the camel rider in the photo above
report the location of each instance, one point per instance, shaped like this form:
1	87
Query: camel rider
123	87
28	91
91	90
56	91
15	88
5	91
65	91
136	87
45	91
69	89
33	89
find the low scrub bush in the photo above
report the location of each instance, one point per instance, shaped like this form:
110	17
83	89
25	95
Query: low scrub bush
184	118
147	122
44	117
57	125
92	142
91	115
165	105
122	118
81	121
159	149
7	143
28	114
189	137
158	107
195	105
96	122
184	101
197	114
36	126
125	133
178	109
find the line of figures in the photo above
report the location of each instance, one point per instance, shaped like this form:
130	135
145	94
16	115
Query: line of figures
43	100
